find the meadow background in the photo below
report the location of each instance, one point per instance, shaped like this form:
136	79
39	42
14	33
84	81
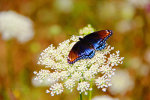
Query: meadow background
55	21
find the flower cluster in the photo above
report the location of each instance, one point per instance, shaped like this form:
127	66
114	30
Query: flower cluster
13	25
80	75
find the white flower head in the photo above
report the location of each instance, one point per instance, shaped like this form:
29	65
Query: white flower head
13	25
103	82
115	59
42	83
55	89
69	84
84	72
42	74
83	87
121	82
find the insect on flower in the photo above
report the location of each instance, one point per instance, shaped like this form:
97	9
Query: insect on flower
86	46
82	74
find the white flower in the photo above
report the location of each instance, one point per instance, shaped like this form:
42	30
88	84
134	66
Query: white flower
69	84
83	87
82	72
55	89
103	82
107	69
121	82
76	76
115	59
88	75
42	74
64	75
105	97
13	25
42	83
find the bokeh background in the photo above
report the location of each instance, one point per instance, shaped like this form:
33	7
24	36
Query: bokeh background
56	20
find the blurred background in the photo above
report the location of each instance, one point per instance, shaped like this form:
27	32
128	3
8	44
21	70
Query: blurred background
53	21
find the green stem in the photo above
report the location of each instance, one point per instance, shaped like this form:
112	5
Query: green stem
90	95
81	93
81	96
90	91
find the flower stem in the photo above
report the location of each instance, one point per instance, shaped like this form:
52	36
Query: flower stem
81	96
90	91
90	95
